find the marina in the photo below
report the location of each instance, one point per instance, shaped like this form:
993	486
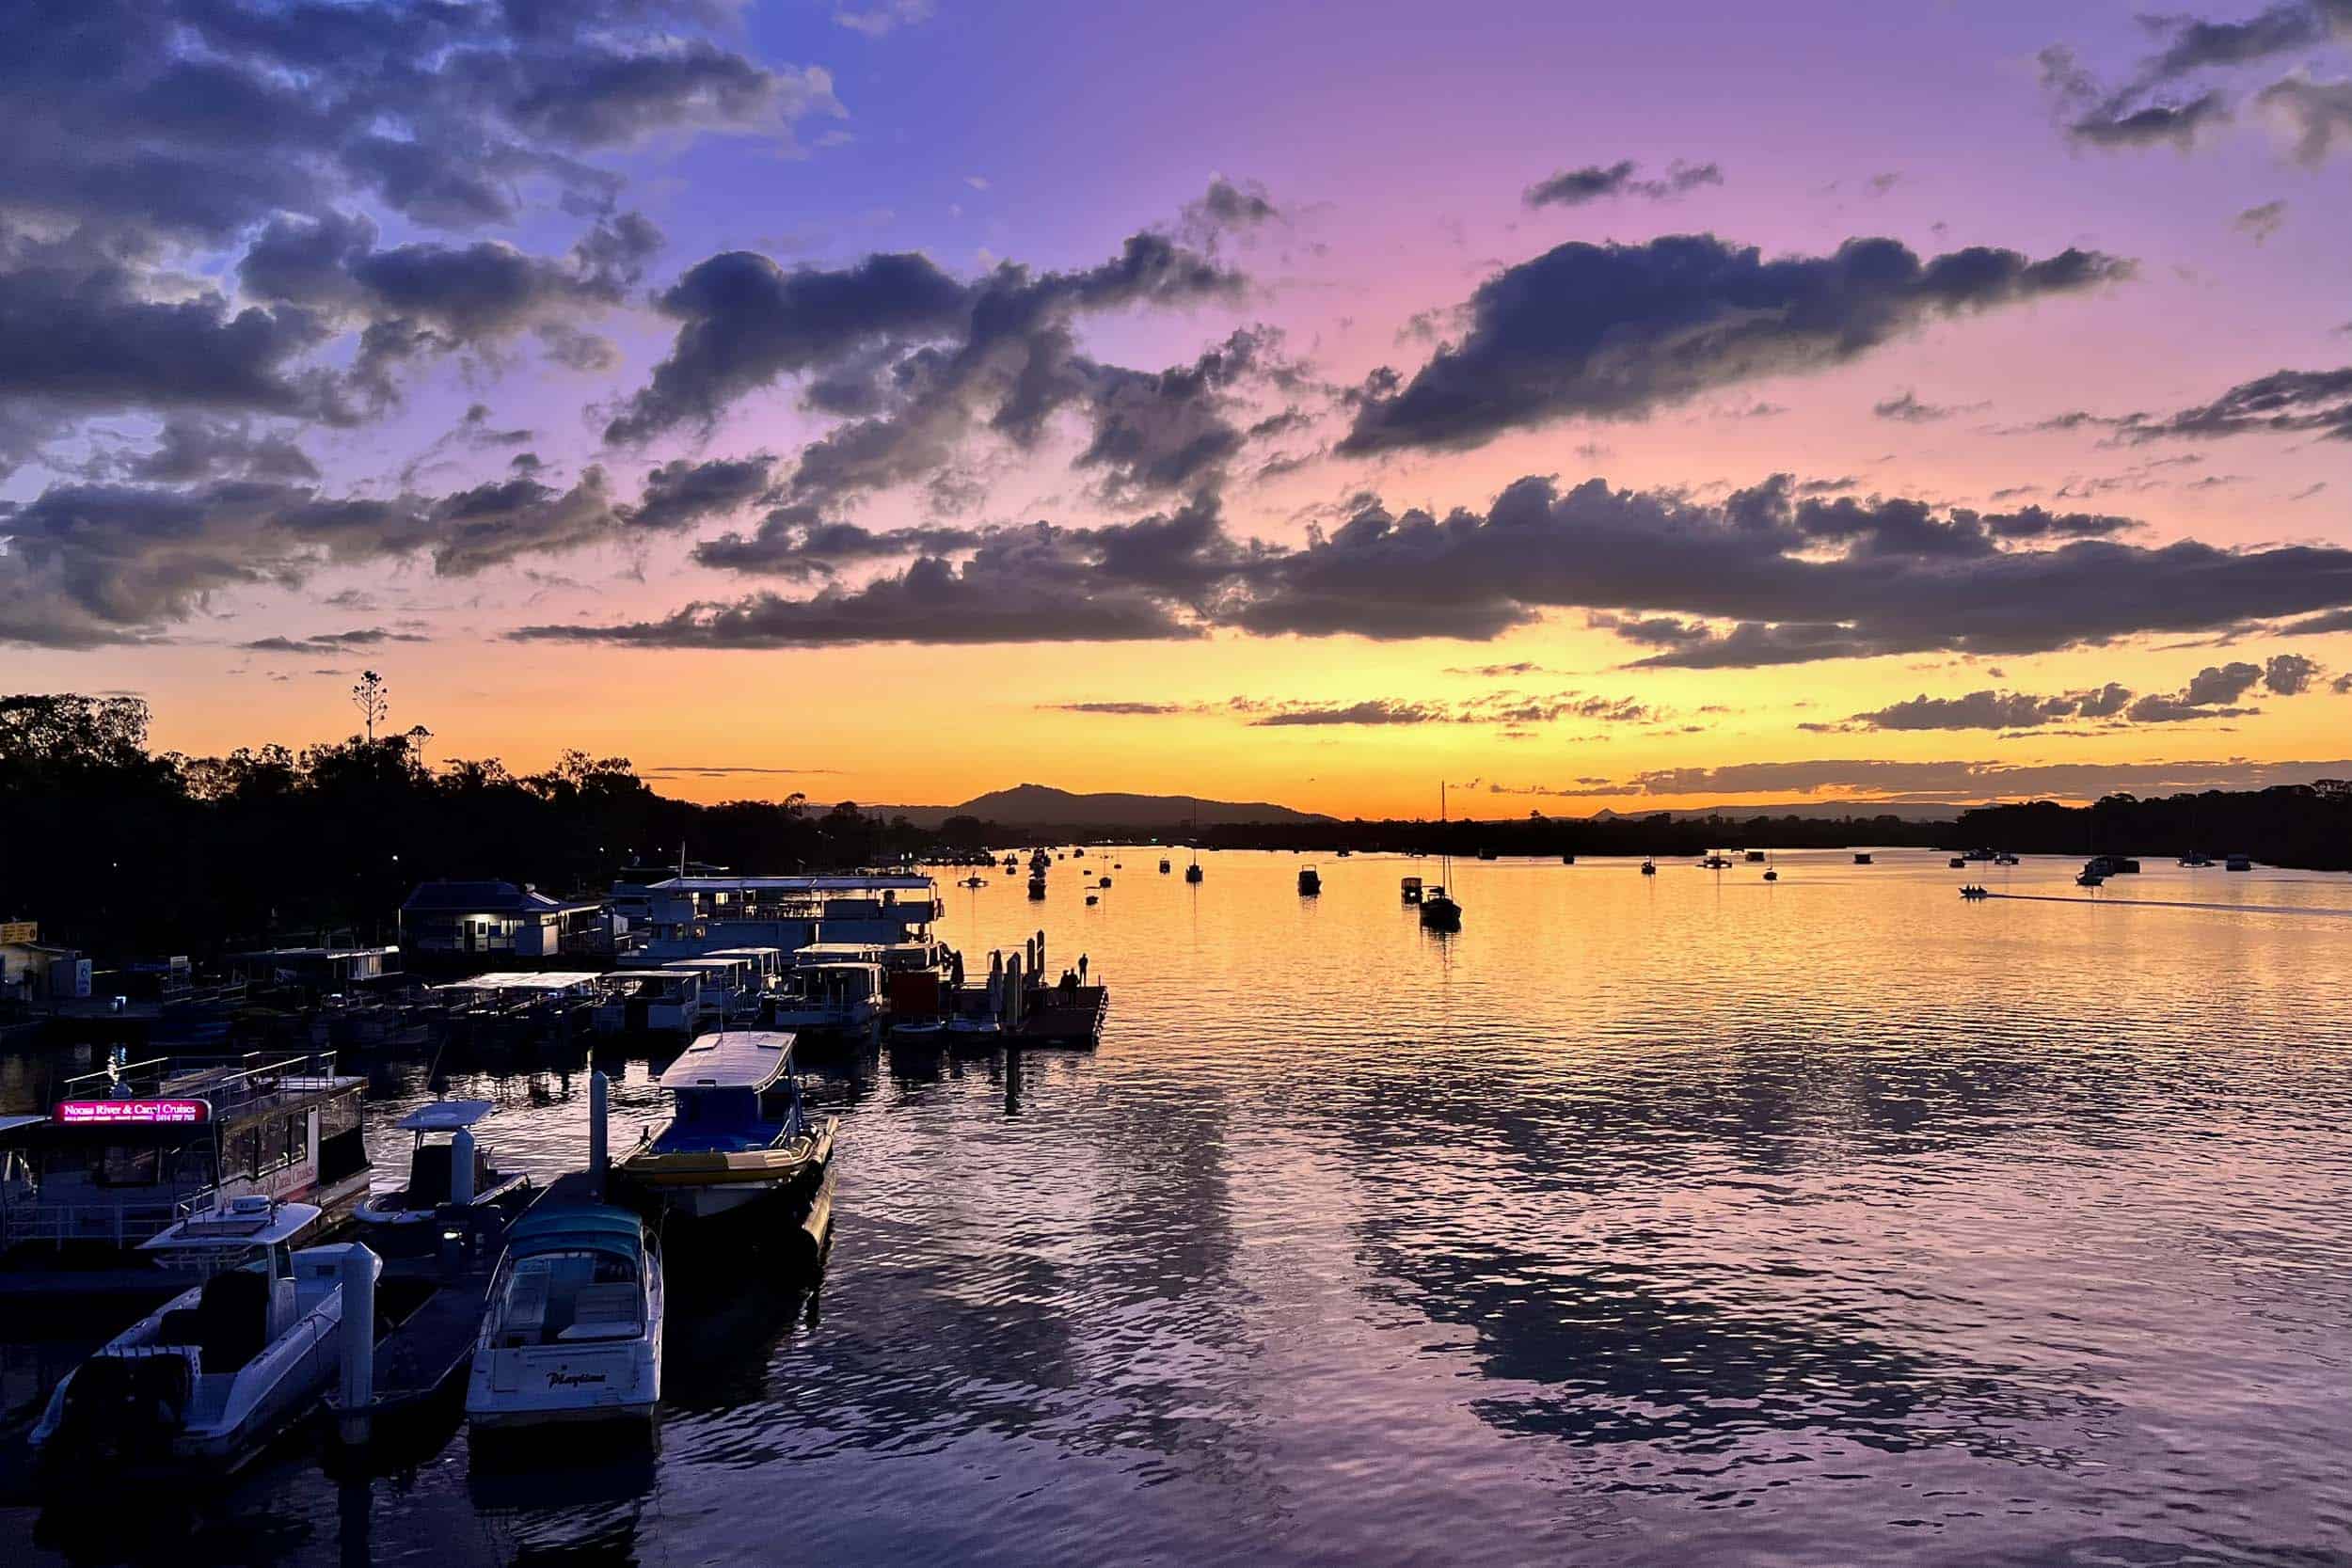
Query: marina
1180	1101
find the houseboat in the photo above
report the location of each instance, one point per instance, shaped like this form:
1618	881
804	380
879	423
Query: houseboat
692	918
1755	857
206	1380
128	1151
508	1005
732	988
572	1330
1310	881
450	1183
648	1002
1409	890
2238	863
831	1001
1862	858
739	1145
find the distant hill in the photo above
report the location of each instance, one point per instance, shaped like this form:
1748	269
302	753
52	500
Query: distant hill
1031	805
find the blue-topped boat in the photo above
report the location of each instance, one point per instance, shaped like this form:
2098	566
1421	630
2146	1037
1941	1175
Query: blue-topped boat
739	1144
572	1331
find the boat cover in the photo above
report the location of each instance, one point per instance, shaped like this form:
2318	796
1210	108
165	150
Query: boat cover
740	1059
445	1116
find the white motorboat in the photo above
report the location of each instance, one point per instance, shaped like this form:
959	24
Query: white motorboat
739	1138
206	1380
453	1180
573	1328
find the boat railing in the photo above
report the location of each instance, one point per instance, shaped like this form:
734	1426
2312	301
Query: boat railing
120	1222
228	1082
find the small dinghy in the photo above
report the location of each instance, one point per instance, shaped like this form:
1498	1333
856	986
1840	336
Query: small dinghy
448	1180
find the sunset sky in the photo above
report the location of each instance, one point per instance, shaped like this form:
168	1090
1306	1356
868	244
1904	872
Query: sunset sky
1609	406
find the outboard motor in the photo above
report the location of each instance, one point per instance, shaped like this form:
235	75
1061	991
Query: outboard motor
126	1406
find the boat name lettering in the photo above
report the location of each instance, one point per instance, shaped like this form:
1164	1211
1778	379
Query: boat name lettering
573	1380
111	1112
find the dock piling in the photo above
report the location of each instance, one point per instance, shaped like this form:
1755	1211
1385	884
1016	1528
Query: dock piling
600	1095
357	1270
461	1161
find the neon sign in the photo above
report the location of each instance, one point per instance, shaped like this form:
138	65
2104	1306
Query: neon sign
142	1113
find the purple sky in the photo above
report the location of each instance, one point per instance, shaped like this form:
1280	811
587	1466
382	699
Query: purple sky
328	336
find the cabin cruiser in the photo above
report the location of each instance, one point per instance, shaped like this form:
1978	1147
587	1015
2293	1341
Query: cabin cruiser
2238	863
1755	857
129	1150
1439	912
1861	858
1037	884
1956	863
2196	859
1567	859
1649	868
830	999
1715	862
1163	865
572	1332
2005	858
1310	881
1409	890
1979	855
450	1183
206	1380
738	1135
648	1002
2091	876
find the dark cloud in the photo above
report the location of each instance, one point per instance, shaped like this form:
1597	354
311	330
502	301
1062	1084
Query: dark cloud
2094	117
330	642
681	494
1574	187
1906	407
1378	710
1154	433
1128	709
107	563
2283	403
794	541
146	139
2211	694
2290	674
745	323
2260	223
191	448
1957	781
1764	576
1230	205
2318	115
1613	331
1987	710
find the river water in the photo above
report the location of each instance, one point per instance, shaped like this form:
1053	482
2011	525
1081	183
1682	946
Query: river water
1674	1219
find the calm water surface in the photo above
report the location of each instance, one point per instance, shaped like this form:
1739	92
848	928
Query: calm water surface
1672	1219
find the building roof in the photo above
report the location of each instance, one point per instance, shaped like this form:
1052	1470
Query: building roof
745	1060
526	979
486	898
895	882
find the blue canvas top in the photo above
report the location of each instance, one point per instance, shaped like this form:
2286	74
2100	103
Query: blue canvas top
587	1225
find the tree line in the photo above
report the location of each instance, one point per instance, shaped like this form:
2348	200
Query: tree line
126	853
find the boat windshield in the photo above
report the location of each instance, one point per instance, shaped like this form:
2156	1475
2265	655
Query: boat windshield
567	1297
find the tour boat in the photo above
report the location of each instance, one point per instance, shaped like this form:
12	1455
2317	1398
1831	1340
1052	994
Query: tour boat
1310	881
206	1380
572	1332
447	1182
737	1137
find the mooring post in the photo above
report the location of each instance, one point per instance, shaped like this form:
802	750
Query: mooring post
461	1160
358	1271
600	1095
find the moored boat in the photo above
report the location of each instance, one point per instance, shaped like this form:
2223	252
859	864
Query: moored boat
1310	881
453	1184
572	1329
205	1381
1409	890
738	1136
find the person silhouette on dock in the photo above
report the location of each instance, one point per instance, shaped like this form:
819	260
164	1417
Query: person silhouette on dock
1082	969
